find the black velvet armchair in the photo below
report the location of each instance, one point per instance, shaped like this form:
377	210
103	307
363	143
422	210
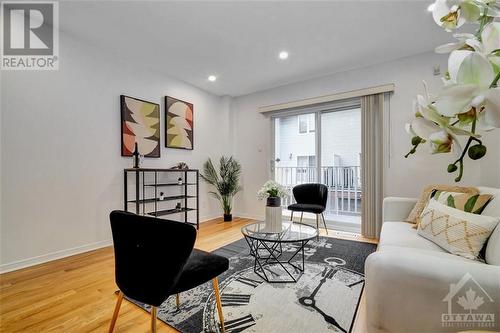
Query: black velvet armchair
310	198
155	259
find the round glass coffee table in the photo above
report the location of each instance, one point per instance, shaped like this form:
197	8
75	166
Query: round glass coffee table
272	263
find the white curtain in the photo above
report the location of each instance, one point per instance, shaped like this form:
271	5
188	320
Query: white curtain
372	110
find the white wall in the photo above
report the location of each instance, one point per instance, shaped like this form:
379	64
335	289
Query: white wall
404	177
490	165
62	172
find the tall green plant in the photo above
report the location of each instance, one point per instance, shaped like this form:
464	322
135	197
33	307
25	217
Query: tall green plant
226	181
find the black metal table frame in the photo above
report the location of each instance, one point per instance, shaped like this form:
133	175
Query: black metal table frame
262	261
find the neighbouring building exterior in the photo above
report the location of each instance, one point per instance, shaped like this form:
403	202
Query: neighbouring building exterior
340	156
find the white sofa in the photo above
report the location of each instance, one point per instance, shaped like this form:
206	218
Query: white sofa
408	279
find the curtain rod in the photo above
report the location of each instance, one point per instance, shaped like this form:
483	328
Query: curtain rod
328	98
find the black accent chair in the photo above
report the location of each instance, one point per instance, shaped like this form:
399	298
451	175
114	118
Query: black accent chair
310	198
155	259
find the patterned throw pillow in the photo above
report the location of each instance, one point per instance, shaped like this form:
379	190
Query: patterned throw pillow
456	231
426	195
470	203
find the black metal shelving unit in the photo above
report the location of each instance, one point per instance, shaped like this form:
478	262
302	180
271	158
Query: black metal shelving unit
148	179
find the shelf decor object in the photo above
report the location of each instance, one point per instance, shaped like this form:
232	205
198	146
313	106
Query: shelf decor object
140	125
179	124
157	192
469	102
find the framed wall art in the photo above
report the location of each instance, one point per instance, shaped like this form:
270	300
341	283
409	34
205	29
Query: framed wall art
140	123
179	124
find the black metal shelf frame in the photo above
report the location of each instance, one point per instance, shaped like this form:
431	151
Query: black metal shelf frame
140	181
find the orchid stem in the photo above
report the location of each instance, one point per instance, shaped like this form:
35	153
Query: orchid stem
460	160
495	81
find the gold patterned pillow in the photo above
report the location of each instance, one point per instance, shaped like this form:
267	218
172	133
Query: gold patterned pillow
456	231
470	203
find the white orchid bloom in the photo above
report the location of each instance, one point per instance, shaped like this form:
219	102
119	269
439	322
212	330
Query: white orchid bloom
446	14
451	14
431	122
490	42
471	83
490	38
441	142
463	39
489	118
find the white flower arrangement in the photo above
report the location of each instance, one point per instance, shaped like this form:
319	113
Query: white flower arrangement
272	189
469	101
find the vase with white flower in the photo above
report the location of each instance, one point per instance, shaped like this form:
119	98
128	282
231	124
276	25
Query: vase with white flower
273	192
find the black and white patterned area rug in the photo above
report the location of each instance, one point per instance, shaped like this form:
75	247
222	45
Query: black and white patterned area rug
325	298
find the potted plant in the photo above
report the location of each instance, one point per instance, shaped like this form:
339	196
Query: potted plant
273	192
226	182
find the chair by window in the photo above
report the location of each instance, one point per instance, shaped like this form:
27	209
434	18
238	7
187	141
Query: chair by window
155	259
310	198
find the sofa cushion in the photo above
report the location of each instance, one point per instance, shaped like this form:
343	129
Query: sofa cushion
426	194
456	231
471	203
492	255
403	235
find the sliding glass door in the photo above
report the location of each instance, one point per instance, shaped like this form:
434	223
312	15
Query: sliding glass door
322	146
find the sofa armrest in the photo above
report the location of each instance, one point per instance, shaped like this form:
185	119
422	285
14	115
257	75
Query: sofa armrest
407	290
397	209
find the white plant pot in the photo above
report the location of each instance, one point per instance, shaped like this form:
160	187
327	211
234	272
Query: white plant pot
274	221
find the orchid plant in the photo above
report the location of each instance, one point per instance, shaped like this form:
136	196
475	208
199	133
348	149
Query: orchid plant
469	101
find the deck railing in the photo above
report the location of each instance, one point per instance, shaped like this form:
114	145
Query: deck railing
344	185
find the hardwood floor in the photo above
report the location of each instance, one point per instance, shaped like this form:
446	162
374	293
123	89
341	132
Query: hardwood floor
76	294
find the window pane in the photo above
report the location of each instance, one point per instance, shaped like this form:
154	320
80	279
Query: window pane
303	124
340	168
312	123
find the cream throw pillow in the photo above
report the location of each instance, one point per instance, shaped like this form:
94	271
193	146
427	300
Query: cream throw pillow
458	232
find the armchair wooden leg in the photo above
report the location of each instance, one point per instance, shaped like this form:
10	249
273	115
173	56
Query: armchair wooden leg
178	301
153	319
291	216
115	313
324	223
301	215
215	282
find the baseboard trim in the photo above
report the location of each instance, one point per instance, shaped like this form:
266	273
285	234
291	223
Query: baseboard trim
24	263
41	259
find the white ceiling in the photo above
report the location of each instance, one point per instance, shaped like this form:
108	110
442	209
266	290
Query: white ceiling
240	41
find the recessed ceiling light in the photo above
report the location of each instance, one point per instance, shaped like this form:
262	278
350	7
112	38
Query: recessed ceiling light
212	78
283	55
431	7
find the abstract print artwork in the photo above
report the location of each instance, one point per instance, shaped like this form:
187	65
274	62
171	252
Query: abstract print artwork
178	123
141	125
